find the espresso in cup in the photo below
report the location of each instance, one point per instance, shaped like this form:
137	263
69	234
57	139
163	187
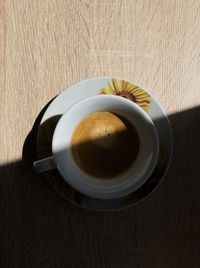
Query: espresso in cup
105	144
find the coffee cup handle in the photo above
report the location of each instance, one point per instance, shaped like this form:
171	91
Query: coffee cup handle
44	164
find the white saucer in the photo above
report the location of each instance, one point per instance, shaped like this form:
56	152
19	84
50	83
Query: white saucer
76	93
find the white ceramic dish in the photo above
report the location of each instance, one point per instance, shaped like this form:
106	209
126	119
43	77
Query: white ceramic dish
64	101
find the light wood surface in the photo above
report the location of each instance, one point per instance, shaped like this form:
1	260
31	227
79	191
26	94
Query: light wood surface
48	45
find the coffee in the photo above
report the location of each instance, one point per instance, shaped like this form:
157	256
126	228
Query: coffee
105	144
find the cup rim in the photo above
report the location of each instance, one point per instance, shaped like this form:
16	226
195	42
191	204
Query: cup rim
108	194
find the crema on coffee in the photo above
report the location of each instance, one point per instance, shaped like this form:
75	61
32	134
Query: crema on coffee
105	145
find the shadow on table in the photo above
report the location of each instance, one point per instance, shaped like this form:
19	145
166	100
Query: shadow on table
39	227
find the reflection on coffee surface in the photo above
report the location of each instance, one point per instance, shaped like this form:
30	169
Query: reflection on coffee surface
105	144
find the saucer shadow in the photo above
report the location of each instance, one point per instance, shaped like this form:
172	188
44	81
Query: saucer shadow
29	152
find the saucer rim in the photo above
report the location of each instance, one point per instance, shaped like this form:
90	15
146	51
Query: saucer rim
165	168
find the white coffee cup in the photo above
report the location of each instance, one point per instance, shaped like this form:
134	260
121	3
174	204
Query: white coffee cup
121	185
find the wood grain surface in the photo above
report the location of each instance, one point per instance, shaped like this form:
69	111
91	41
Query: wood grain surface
48	45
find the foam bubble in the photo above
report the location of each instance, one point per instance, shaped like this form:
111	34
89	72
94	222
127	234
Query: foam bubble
103	135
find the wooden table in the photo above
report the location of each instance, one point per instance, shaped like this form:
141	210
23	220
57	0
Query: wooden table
48	45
